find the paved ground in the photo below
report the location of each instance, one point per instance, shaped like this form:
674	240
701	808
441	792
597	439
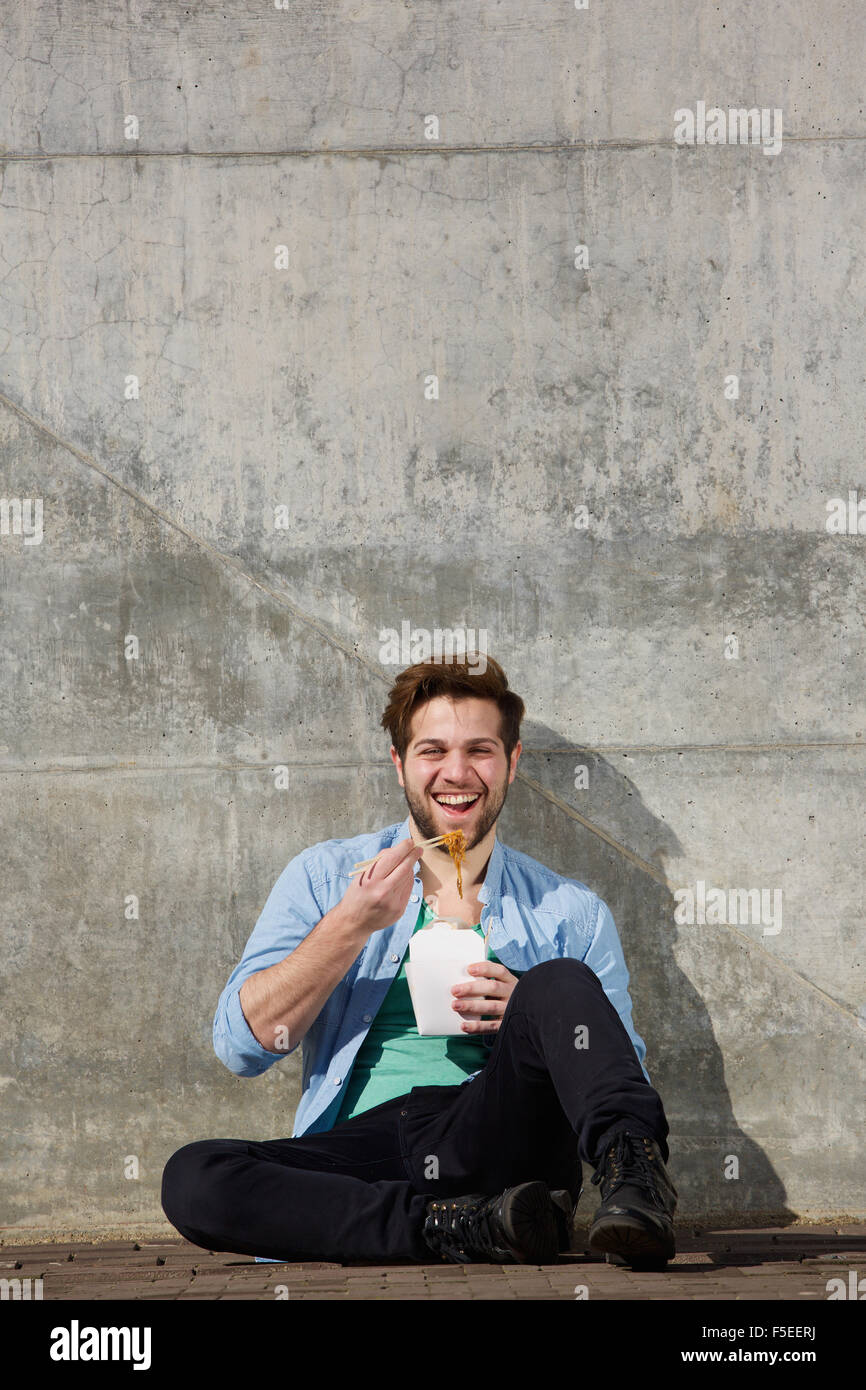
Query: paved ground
793	1263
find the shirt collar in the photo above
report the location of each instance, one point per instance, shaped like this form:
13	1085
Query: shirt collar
490	888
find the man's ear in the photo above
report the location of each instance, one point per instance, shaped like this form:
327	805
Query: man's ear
397	761
515	754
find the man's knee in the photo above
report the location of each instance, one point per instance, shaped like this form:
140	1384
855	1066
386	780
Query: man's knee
551	975
186	1181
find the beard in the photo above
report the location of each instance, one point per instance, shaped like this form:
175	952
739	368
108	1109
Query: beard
492	801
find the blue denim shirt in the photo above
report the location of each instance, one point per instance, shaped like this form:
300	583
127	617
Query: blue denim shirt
532	914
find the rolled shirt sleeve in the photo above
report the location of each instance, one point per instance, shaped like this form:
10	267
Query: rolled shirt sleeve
290	913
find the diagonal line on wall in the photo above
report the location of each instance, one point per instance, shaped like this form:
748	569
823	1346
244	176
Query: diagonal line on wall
352	653
650	869
218	555
643	864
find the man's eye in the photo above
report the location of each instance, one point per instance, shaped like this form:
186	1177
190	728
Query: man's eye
435	752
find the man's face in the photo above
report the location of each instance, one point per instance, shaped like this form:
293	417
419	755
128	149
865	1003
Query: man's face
456	749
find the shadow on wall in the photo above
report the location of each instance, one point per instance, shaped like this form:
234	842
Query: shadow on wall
684	1060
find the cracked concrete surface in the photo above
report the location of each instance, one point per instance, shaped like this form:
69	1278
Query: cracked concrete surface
304	387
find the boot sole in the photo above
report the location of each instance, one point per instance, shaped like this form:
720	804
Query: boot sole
624	1239
529	1224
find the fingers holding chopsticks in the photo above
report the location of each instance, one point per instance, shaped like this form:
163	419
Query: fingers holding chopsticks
363	864
379	892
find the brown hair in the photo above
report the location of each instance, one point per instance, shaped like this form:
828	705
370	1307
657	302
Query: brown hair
459	680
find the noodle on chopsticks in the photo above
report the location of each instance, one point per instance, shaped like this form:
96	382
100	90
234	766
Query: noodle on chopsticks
455	843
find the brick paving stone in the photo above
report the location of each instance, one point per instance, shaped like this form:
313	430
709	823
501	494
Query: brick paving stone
719	1297
324	1281
772	1264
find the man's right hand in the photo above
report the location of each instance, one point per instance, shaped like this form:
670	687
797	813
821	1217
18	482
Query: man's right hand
281	1002
377	898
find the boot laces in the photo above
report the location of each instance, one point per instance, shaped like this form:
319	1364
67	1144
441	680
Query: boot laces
463	1229
629	1159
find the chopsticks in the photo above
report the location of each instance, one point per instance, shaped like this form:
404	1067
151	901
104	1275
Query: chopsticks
363	864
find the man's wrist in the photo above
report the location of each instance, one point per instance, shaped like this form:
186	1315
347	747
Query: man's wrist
340	923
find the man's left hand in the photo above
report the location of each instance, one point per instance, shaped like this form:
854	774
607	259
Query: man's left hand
488	993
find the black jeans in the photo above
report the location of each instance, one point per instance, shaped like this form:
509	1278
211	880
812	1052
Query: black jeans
550	1095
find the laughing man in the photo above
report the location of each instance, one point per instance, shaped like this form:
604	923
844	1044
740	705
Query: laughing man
407	1148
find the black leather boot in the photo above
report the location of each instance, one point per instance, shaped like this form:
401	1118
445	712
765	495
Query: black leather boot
634	1224
526	1224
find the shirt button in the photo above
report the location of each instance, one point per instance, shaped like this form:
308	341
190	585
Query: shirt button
338	1080
368	1018
415	898
395	958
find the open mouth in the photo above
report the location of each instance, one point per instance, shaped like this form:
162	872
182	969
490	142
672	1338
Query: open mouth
456	804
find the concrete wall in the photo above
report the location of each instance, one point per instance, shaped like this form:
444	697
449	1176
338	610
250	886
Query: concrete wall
695	641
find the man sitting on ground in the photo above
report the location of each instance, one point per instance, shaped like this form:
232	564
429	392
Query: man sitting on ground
463	1147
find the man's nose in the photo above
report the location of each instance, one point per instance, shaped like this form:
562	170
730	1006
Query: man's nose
455	768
